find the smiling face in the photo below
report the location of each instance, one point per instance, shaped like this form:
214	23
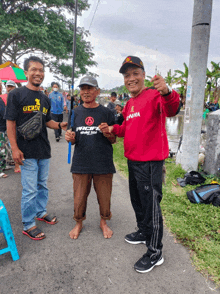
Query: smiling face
89	94
35	75
134	80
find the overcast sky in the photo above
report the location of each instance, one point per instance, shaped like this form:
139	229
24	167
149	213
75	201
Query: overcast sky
158	31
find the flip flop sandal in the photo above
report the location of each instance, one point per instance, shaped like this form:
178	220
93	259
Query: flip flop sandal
33	233
7	167
48	219
3	175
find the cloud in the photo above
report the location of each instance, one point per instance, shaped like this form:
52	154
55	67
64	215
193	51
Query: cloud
111	56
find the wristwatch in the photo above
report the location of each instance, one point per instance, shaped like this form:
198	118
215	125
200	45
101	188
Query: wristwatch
169	91
59	125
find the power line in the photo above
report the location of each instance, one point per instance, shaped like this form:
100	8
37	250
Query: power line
94	14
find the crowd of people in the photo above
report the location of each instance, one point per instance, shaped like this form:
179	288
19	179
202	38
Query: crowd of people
93	129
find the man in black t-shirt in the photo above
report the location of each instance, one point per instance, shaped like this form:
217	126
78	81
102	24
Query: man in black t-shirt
33	155
93	156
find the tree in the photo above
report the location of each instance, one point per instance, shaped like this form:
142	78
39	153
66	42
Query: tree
182	79
170	80
44	27
212	78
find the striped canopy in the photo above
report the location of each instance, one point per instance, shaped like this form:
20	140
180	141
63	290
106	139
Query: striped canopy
12	73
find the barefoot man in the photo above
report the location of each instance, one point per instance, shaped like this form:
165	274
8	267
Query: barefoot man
93	156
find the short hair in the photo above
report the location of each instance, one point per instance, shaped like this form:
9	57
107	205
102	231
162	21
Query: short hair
113	94
120	106
55	83
34	59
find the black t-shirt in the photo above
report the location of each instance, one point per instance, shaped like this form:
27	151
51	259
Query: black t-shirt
2	120
22	104
93	152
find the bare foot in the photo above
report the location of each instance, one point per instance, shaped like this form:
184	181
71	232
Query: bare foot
17	168
74	233
107	232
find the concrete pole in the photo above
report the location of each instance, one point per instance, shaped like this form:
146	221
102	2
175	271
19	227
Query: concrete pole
188	158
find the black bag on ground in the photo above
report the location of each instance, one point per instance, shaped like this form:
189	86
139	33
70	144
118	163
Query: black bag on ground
191	178
205	194
194	178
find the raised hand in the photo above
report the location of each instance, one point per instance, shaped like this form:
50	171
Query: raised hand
160	84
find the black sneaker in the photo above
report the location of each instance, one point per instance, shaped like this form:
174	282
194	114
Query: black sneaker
136	238
146	264
58	139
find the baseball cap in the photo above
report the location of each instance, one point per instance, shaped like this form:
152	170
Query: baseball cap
131	60
10	83
88	80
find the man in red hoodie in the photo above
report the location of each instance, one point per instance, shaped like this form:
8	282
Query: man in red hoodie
146	147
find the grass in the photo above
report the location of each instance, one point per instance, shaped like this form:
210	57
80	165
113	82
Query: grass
196	226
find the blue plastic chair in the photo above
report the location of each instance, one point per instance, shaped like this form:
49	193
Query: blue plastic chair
5	228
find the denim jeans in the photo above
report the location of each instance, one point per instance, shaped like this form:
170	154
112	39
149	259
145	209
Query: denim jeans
34	175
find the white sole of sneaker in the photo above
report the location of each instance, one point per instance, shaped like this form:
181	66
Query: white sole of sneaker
135	242
161	261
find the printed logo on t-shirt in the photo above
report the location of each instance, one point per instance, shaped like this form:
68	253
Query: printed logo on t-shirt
34	108
132	108
88	130
89	121
133	115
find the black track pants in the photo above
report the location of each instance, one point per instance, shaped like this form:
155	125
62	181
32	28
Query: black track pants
145	184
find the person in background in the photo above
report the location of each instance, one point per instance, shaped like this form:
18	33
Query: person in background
2	137
146	148
57	107
46	92
68	103
111	104
11	85
119	116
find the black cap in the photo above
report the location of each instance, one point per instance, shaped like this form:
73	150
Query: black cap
129	61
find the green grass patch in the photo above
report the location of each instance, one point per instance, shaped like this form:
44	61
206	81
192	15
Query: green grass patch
196	226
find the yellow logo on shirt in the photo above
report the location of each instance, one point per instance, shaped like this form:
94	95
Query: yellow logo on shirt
34	108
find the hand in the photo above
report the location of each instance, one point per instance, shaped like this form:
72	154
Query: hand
18	156
70	136
160	85
64	125
105	128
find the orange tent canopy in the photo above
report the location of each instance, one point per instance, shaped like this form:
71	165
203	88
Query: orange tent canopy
8	63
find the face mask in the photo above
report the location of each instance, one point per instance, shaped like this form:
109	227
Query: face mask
55	89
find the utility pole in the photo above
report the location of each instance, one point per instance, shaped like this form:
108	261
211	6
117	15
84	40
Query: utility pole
188	157
74	46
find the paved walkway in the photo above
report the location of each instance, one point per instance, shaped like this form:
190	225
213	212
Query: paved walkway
91	264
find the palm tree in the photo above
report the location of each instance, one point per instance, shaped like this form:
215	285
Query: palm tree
182	79
170	80
212	78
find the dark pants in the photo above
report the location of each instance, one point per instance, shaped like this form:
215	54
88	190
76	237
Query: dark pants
58	118
145	184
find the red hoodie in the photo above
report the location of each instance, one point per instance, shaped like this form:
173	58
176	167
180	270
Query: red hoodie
143	129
